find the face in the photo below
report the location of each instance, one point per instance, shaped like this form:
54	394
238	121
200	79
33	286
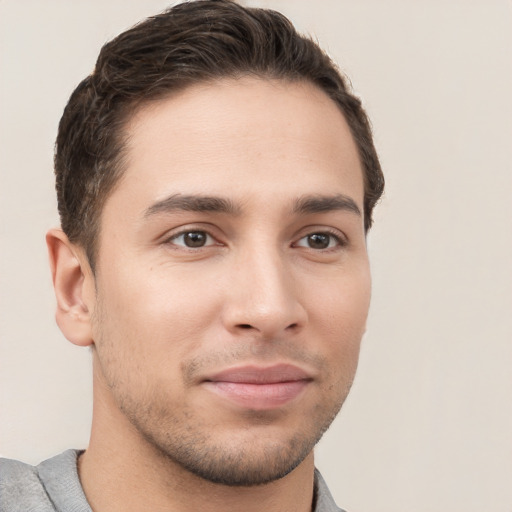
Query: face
232	281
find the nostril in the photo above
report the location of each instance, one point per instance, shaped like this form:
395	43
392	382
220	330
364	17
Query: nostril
245	326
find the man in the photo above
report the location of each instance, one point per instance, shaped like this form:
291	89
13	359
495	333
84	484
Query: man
216	181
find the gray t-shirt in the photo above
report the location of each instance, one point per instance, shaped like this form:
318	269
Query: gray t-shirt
54	486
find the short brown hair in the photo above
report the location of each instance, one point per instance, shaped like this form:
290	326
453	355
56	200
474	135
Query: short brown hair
189	43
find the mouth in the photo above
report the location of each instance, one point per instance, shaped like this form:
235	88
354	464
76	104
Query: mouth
258	388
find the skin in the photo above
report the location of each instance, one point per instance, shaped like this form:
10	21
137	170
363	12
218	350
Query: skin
278	274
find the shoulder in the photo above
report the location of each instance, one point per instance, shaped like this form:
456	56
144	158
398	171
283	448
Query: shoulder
52	486
324	502
21	488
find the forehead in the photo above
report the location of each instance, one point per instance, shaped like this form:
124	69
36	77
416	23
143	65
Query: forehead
242	137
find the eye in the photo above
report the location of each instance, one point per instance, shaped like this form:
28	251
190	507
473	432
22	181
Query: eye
320	241
192	239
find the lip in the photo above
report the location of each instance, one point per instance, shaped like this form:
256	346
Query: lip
259	388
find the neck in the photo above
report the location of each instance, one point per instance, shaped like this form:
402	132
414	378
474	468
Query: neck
121	471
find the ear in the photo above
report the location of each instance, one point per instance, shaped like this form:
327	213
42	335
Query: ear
73	282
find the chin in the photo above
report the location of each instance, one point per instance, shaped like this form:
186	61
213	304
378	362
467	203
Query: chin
246	465
248	457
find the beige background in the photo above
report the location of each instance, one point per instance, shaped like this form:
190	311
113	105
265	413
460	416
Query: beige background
428	426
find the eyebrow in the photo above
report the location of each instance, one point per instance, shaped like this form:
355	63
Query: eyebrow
319	204
192	203
308	204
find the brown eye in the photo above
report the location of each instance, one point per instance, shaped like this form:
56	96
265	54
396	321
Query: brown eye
319	241
192	239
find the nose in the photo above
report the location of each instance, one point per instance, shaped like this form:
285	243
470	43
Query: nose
263	297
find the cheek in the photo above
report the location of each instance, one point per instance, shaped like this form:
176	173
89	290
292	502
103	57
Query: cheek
340	313
157	314
344	301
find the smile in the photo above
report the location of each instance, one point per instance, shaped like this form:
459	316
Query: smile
256	388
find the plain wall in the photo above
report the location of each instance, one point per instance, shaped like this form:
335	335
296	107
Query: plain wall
428	425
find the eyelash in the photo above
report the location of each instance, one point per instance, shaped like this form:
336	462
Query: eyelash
171	240
340	241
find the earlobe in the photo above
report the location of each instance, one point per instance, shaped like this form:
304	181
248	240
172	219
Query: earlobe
71	277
